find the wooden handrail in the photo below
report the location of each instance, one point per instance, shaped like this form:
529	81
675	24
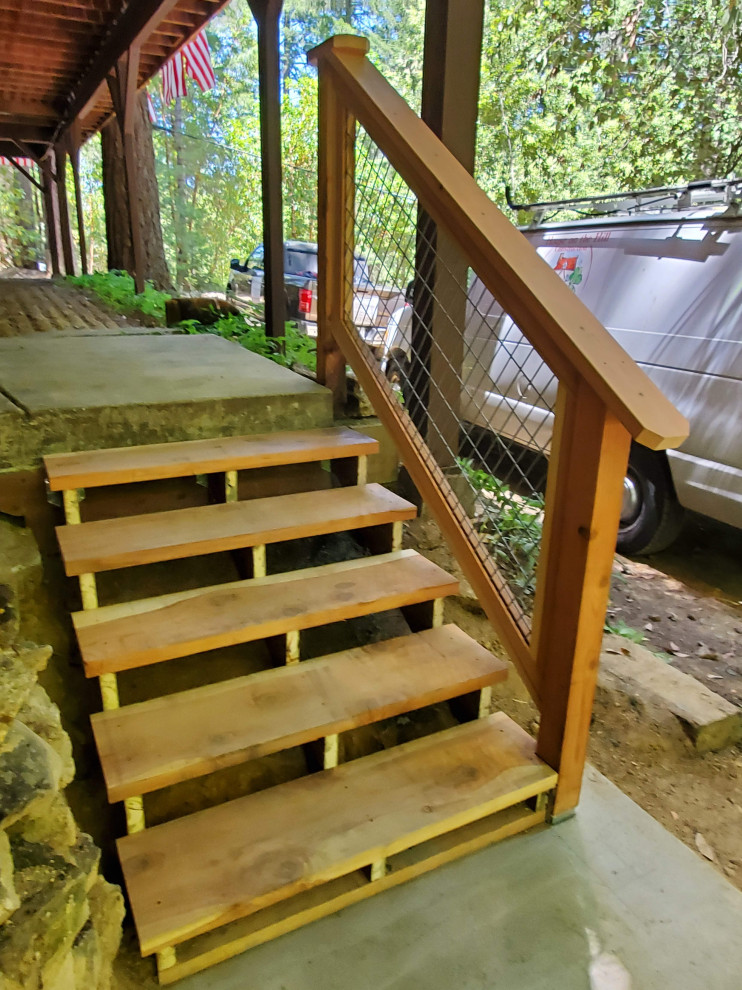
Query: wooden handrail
561	328
604	399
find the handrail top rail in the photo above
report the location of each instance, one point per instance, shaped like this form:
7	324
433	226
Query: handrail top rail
558	324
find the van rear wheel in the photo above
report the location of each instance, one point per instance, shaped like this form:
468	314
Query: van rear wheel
651	515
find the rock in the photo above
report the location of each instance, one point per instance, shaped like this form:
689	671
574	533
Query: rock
710	721
51	823
30	773
36	940
9	899
42	716
27	608
20	575
98	942
18	670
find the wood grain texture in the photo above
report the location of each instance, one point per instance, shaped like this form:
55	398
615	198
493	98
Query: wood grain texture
196	873
119	465
139	633
286	916
157	743
583	504
145	539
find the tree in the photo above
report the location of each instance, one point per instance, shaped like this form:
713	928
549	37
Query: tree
587	98
118	229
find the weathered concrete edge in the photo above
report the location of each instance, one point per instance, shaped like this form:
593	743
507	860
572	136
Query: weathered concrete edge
29	439
711	721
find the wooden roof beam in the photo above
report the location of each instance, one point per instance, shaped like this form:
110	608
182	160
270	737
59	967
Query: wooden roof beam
134	26
25	132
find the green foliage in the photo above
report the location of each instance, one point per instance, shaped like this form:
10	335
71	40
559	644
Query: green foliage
248	330
117	289
511	525
575	99
580	99
620	628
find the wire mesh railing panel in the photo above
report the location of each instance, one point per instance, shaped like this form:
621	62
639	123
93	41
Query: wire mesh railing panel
477	391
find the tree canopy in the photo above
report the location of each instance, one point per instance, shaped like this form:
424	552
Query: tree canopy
576	98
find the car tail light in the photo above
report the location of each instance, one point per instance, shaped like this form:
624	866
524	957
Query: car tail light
305	300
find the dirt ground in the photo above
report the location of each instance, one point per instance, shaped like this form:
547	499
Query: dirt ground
643	750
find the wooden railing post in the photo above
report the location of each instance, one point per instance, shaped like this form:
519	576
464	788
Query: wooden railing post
335	232
589	454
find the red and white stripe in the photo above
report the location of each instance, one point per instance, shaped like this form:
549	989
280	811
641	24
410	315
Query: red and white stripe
23	162
194	59
198	62
173	79
151	110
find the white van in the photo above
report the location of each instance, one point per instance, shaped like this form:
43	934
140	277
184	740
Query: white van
664	276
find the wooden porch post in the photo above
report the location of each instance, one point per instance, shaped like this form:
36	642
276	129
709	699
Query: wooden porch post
74	151
267	14
65	231
587	464
335	233
450	96
50	213
122	84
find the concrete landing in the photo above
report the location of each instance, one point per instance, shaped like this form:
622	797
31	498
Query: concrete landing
85	392
605	901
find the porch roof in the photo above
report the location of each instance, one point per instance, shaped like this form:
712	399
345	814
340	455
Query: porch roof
55	56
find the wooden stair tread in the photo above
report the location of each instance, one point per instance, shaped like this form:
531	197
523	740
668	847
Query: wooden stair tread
87	469
119	637
157	743
156	536
196	873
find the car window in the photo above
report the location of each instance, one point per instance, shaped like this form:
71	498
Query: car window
301	263
257	258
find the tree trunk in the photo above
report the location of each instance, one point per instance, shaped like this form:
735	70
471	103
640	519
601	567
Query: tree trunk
118	230
182	239
25	255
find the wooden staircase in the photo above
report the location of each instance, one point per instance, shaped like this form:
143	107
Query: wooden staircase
211	884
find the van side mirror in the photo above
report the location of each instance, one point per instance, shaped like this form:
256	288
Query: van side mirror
235	265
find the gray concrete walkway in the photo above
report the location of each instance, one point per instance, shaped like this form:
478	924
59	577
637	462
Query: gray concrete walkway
605	901
67	392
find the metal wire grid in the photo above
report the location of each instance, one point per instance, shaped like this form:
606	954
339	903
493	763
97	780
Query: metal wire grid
500	396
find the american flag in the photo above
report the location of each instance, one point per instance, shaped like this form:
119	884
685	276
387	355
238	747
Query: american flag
193	59
23	162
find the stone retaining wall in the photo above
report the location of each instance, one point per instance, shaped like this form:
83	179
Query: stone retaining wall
60	921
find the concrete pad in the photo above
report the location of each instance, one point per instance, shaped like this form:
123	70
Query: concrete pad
608	900
711	721
82	393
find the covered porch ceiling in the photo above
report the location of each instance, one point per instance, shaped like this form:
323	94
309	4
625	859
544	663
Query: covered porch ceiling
55	56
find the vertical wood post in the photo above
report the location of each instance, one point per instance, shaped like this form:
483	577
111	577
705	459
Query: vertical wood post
50	213
335	234
589	454
65	230
267	14
74	150
122	84
450	99
130	78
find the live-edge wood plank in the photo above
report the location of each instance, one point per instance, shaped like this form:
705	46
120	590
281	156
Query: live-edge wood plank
286	916
196	873
157	743
256	609
144	539
86	469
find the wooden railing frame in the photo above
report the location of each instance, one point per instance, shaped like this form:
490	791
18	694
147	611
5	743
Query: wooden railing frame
604	398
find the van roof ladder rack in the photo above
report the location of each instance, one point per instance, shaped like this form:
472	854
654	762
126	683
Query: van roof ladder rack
701	192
